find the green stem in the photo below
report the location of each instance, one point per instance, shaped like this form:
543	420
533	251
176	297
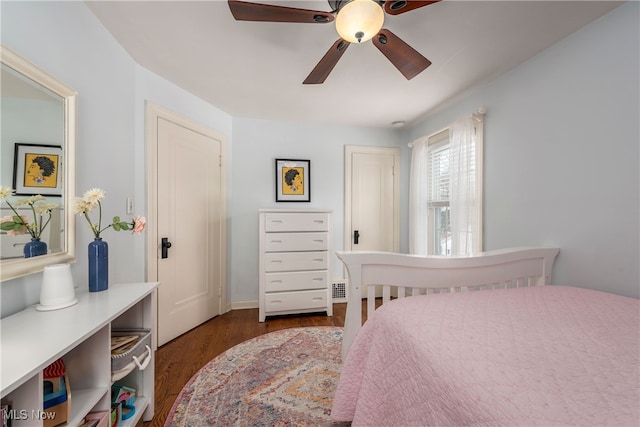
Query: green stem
108	226
99	218
46	223
96	233
37	230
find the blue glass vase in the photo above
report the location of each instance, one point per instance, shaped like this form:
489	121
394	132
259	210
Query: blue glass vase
35	248
98	265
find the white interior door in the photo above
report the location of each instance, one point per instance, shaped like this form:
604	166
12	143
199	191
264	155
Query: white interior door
190	215
372	199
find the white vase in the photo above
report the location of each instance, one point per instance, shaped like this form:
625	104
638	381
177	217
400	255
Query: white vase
57	289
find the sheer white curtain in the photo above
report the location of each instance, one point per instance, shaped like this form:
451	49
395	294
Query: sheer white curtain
464	191
465	156
418	186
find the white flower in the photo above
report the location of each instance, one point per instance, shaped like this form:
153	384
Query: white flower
31	200
6	192
94	196
81	206
45	207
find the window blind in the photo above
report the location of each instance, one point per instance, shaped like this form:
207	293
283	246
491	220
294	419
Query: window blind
439	169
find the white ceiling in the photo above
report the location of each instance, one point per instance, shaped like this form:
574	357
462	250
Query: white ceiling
256	69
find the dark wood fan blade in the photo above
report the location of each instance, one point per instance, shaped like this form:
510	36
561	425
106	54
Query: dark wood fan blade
405	58
245	11
396	7
320	73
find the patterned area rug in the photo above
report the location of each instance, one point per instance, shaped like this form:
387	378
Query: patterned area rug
284	378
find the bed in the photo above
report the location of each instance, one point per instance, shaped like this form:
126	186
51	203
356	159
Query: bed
484	340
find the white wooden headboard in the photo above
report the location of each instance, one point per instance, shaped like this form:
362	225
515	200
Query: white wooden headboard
395	272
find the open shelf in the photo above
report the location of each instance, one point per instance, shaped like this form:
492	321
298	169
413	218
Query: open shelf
81	336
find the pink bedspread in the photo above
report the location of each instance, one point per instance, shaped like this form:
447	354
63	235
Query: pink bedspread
550	355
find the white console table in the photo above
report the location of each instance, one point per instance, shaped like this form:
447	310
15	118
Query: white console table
81	334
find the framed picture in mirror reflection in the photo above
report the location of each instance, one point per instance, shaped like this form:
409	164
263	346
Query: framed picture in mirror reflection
37	169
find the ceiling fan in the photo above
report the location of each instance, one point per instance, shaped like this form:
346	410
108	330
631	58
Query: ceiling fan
356	21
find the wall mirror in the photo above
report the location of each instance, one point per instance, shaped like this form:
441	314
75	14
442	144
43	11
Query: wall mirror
37	119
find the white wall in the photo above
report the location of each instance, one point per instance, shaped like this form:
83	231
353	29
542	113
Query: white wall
562	154
66	40
256	145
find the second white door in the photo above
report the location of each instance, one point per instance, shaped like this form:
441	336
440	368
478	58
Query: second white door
372	199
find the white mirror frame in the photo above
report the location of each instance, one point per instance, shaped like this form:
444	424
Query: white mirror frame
10	269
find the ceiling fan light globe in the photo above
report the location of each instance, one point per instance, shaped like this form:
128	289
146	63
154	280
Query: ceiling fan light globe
359	20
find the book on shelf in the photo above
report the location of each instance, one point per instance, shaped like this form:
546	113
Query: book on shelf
121	344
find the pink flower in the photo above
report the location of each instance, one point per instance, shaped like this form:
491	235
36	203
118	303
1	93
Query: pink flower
14	232
139	222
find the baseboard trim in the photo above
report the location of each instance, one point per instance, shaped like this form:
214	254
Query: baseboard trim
242	305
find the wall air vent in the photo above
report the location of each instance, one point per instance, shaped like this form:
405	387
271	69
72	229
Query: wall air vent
339	290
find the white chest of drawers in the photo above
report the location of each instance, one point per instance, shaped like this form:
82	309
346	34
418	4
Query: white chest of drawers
294	262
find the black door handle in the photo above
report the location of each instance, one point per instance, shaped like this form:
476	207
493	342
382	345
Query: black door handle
356	237
166	244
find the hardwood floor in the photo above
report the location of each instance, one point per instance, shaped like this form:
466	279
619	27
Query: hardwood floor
178	360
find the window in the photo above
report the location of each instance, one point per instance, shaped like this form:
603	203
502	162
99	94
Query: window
439	220
446	190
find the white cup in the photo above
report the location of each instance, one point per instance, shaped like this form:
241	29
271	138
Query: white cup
57	288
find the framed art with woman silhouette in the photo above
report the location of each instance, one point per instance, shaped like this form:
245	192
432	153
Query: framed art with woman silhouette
36	169
293	182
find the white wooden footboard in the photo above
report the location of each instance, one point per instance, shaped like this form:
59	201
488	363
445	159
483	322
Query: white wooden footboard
405	275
